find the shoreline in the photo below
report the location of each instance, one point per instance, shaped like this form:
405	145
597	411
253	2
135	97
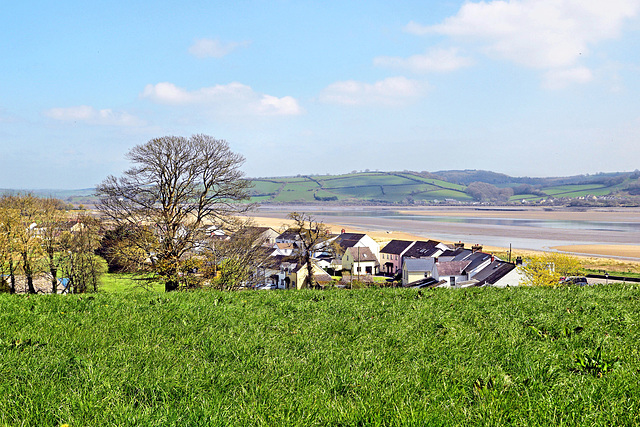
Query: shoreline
620	246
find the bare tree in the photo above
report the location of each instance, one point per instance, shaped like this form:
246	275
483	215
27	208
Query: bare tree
52	221
27	236
81	265
174	186
9	222
310	233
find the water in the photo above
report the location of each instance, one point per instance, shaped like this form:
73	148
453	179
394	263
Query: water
521	232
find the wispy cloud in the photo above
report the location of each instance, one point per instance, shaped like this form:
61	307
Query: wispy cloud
92	116
435	60
214	48
390	91
544	34
233	97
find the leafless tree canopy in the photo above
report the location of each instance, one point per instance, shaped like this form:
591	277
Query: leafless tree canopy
310	232
174	185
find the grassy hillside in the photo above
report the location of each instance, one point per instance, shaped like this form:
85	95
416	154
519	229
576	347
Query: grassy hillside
387	187
370	357
405	187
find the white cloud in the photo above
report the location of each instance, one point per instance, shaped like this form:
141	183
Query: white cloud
214	48
436	60
390	91
233	98
92	116
536	33
561	78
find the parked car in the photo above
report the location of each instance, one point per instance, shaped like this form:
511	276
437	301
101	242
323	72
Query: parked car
574	280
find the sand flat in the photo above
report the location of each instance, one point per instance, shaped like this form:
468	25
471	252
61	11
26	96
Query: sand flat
624	251
623	245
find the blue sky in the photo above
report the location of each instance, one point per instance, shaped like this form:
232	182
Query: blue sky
523	87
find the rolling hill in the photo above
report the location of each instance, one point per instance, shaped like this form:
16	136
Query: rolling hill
417	187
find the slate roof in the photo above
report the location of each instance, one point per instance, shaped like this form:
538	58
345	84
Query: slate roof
418	264
462	254
427	282
452	268
477	259
288	235
422	249
348	240
396	247
493	272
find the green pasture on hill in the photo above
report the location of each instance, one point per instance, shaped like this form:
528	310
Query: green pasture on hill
371	186
380	356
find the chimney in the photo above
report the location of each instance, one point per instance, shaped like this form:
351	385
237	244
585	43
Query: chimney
459	245
493	258
342	231
476	248
518	260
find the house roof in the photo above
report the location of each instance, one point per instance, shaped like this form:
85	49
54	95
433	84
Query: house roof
493	272
421	249
396	247
427	282
419	264
362	255
477	259
348	240
288	235
452	268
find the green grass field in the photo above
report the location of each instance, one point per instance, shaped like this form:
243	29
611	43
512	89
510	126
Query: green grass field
526	356
368	186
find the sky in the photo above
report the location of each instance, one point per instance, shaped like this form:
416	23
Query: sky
522	87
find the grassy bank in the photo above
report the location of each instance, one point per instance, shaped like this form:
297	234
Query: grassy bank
367	357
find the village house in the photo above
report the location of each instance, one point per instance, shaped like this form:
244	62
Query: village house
416	269
296	274
450	273
360	260
391	255
357	240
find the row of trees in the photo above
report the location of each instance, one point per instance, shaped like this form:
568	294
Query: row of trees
37	236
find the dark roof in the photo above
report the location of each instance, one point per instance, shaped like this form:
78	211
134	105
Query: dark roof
422	249
276	261
427	282
396	247
348	240
462	254
477	259
452	268
493	272
288	235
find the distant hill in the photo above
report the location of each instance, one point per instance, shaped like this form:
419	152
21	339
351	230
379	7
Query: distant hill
419	187
441	186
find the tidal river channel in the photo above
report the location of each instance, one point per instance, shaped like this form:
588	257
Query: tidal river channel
535	229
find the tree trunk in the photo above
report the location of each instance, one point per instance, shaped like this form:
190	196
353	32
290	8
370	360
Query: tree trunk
309	278
54	278
171	285
30	287
28	273
12	275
